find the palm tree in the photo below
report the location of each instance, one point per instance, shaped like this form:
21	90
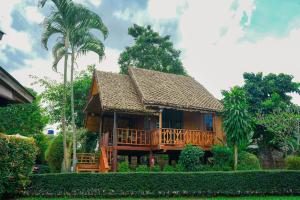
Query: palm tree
237	121
81	41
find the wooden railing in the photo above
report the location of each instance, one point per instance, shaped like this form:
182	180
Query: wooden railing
132	137
180	137
87	158
164	136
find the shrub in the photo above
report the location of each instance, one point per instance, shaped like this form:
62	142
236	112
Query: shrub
292	162
142	168
169	168
239	183
42	142
222	157
248	161
16	162
123	167
55	154
190	158
42	169
156	168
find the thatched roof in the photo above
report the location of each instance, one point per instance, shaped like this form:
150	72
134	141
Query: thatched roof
142	89
117	92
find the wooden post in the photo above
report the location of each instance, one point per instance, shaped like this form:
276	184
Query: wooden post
160	118
214	128
100	132
160	125
115	140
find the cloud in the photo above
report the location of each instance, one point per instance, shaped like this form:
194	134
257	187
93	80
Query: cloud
33	15
92	2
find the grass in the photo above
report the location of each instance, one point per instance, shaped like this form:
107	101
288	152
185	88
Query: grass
181	198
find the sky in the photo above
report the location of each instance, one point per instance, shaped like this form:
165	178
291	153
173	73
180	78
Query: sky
219	40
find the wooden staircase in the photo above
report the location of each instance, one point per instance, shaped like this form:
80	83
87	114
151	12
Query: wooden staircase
89	162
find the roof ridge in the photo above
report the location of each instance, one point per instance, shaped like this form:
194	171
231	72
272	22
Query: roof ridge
150	70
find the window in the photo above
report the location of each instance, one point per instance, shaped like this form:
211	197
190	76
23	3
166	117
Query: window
172	119
208	122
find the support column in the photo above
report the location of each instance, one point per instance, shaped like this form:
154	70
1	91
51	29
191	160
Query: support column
115	152
160	118
100	132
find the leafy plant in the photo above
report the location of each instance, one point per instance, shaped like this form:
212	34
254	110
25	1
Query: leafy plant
292	162
237	122
123	167
248	161
142	168
190	158
222	158
169	168
42	141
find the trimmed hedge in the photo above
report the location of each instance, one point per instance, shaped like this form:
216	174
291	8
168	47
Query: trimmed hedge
165	184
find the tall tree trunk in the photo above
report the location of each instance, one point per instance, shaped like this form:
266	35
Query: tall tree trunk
235	157
65	160
73	113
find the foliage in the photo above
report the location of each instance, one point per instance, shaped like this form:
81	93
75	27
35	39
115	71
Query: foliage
156	168
237	122
248	161
54	93
43	169
190	158
42	142
269	92
55	154
151	51
88	142
292	162
222	158
25	119
142	168
169	168
284	124
17	159
123	167
240	183
265	94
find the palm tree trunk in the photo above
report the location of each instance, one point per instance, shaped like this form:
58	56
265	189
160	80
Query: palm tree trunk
235	157
73	113
65	160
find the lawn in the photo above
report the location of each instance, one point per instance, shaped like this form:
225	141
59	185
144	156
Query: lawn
215	198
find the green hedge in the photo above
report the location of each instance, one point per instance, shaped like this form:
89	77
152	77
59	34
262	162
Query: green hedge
165	184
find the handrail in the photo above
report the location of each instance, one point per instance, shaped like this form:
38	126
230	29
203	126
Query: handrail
126	136
86	158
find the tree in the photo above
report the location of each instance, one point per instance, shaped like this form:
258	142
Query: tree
25	119
78	39
284	124
237	121
53	94
150	51
266	94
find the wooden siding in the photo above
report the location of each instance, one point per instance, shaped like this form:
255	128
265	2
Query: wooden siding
93	123
192	121
95	88
220	137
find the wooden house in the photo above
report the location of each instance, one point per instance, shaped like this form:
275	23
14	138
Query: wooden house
147	113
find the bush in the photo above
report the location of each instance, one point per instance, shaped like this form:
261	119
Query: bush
55	154
123	167
248	161
16	162
190	158
222	158
156	168
142	168
42	169
42	142
292	162
169	168
102	185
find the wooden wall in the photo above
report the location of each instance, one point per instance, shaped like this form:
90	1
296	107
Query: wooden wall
195	121
92	123
192	121
220	137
